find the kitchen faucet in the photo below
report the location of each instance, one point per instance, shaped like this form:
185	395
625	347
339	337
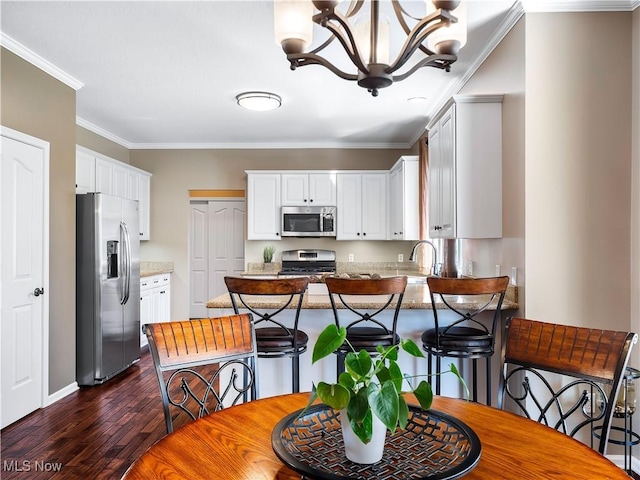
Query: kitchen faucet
434	257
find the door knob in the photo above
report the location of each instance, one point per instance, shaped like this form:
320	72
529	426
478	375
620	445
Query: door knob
38	291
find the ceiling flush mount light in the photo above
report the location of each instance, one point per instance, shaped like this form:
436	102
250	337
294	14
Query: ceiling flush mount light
259	101
438	35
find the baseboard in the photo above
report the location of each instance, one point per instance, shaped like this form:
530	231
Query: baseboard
60	394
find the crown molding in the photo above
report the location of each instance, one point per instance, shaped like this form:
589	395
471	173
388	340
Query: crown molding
557	6
103	133
267	146
30	56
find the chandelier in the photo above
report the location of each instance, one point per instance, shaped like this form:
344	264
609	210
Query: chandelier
439	35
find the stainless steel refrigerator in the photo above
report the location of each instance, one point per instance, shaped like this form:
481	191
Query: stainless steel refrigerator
107	286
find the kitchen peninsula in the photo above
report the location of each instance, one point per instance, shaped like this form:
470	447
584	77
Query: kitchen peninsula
415	317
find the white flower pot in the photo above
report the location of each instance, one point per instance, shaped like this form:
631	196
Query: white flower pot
364	453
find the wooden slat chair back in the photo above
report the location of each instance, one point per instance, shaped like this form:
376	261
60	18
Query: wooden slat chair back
466	335
591	364
365	329
276	336
203	365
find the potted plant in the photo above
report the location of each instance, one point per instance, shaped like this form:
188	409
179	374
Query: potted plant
369	393
267	254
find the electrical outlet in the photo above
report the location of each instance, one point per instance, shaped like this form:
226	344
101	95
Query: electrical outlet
351	257
400	257
497	270
514	275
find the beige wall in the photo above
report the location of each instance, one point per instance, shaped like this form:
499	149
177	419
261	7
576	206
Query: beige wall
175	172
39	105
578	168
635	182
504	73
101	145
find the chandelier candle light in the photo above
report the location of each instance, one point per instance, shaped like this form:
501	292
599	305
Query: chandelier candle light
438	35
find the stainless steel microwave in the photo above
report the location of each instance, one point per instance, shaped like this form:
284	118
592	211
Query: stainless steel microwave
308	221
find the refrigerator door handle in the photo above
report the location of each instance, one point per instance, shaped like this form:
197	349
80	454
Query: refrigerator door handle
126	271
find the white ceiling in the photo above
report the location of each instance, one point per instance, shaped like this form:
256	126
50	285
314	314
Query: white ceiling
160	74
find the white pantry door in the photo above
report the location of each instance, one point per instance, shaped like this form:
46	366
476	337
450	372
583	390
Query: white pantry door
23	293
216	249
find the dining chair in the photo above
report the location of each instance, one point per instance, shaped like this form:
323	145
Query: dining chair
203	365
276	337
565	377
358	304
465	335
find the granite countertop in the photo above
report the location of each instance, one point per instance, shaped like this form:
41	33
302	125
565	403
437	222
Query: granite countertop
416	297
148	269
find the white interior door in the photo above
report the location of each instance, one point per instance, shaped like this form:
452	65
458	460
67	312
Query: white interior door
23	287
216	249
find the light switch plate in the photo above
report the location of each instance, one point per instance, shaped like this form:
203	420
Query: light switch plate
497	270
514	275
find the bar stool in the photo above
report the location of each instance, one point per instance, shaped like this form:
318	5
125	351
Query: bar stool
274	339
465	336
365	329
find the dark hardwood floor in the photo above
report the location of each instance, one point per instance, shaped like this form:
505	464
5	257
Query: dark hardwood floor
94	433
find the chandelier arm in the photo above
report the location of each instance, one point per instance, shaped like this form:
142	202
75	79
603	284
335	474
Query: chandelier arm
348	42
415	38
354	8
303	59
438	61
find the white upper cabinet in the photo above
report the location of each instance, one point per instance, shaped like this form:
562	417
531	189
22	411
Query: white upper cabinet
309	188
263	206
85	172
362	206
404	220
465	169
97	173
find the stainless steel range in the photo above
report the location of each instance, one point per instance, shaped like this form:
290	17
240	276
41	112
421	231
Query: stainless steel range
308	262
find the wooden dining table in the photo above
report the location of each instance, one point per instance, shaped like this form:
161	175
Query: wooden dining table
235	444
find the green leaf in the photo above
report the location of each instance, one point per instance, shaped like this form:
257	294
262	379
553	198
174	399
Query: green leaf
383	374
363	429
358	406
453	368
391	353
312	398
334	395
346	380
385	404
358	365
424	394
329	340
403	412
396	375
410	347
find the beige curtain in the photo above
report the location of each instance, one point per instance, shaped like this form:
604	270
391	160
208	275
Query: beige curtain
423	200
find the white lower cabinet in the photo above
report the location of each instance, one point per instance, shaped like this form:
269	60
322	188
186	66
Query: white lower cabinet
155	301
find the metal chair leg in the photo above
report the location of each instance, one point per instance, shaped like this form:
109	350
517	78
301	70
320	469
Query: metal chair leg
488	386
295	373
475	380
438	375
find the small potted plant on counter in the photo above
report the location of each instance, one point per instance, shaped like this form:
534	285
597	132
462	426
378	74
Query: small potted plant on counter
369	394
267	256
